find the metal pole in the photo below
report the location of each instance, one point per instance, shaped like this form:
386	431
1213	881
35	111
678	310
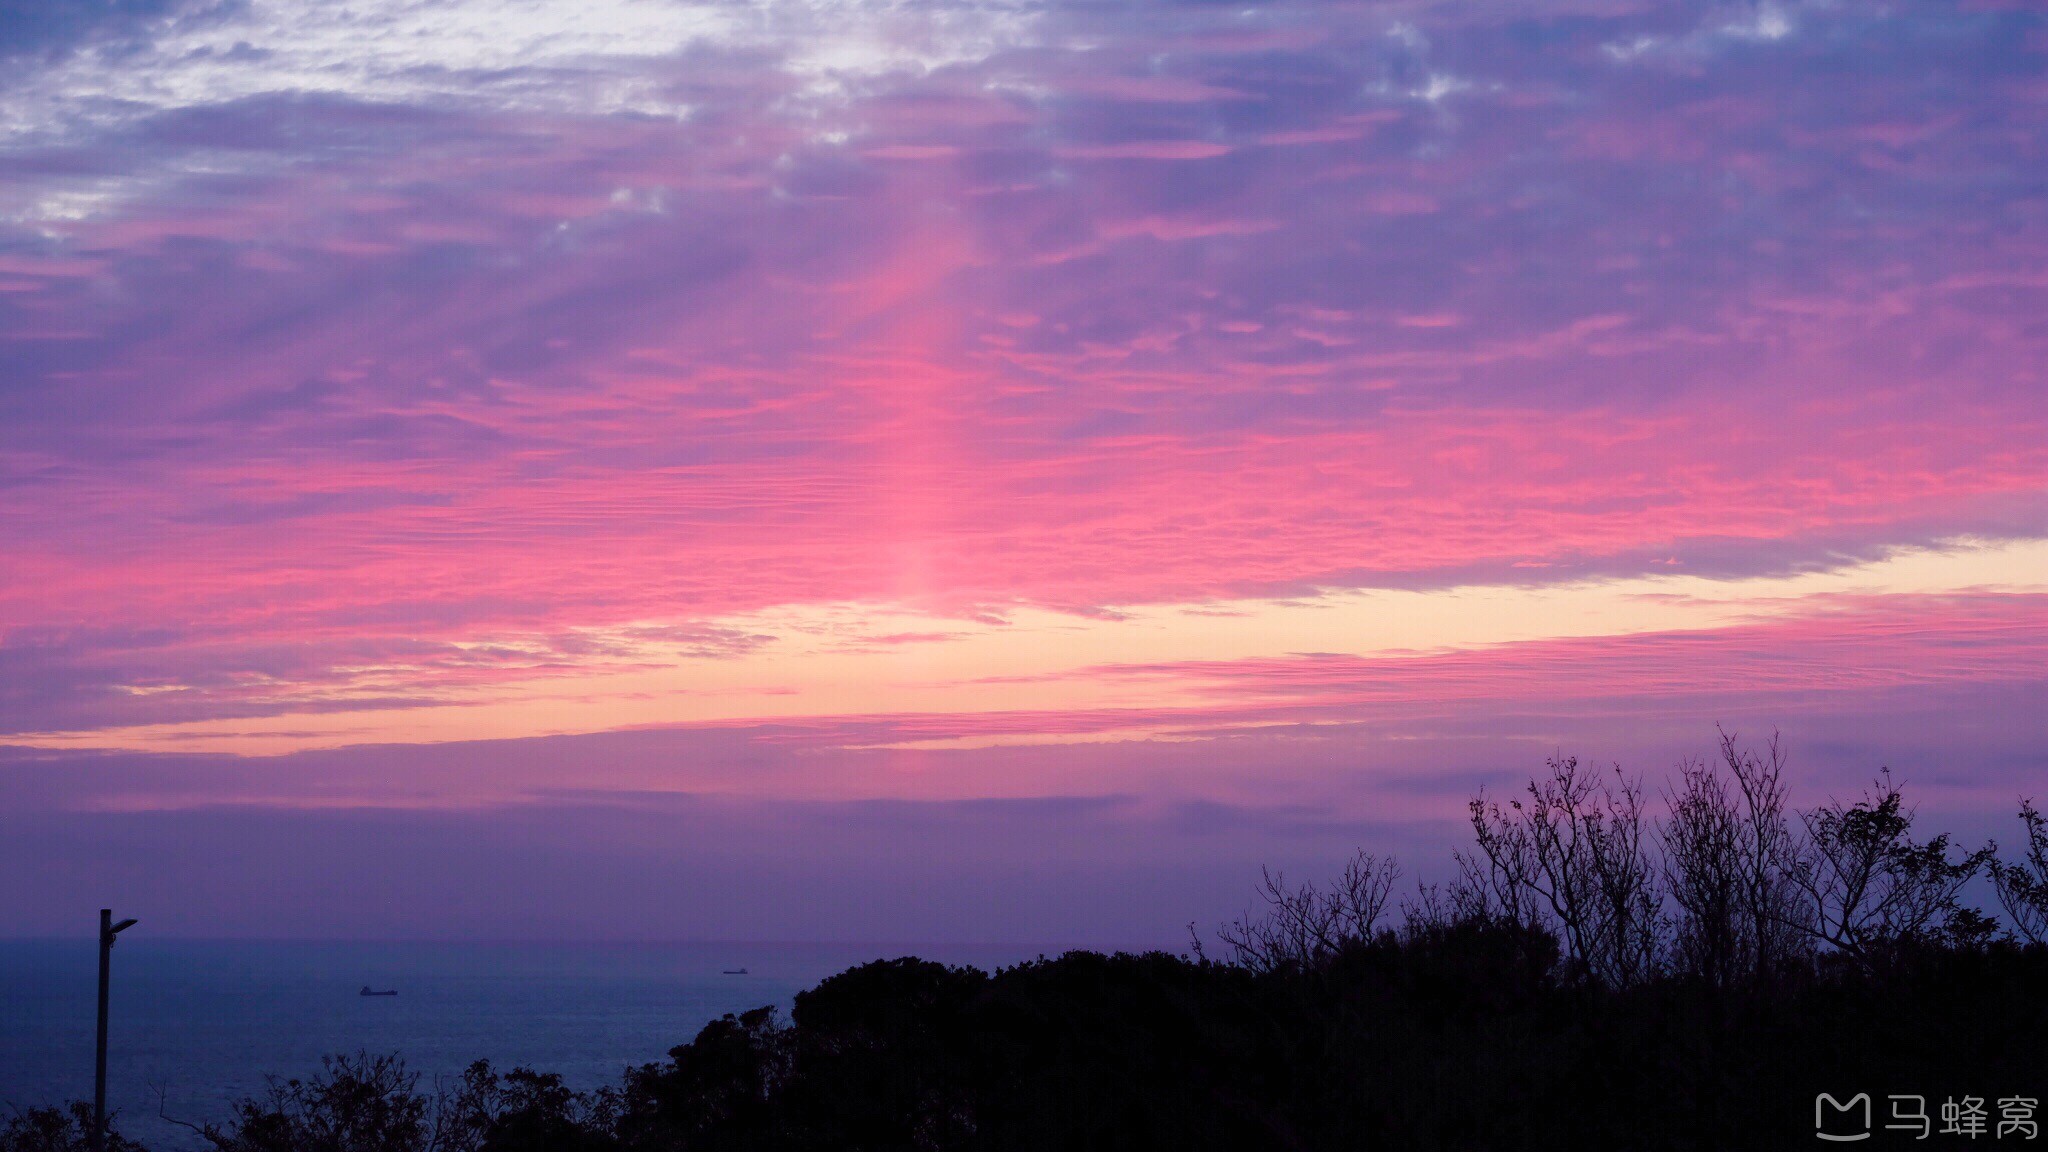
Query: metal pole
99	1070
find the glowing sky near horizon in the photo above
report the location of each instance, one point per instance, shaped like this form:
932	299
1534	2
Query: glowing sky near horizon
981	384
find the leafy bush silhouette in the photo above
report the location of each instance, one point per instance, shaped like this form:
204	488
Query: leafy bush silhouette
359	1103
366	1103
524	1111
715	1091
66	1129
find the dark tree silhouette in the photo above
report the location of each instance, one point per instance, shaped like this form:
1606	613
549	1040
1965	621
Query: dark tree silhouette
1728	862
2023	887
1870	889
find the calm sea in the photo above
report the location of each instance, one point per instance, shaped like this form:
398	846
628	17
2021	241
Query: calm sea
205	1021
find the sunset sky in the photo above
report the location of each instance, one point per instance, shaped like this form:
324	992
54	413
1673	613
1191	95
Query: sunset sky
854	469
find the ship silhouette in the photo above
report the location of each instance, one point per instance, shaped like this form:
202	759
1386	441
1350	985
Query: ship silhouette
367	991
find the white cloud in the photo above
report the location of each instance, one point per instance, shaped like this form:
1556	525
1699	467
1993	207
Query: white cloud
1631	48
589	57
1410	37
1766	22
1763	23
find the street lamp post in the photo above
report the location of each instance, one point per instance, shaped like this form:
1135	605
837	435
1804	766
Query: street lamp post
108	930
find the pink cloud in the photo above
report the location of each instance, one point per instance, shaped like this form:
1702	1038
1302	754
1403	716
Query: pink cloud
460	382
474	373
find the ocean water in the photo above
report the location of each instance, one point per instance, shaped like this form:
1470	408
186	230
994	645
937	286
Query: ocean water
203	1022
